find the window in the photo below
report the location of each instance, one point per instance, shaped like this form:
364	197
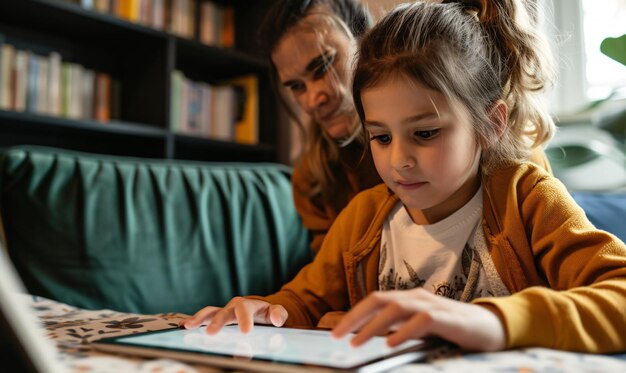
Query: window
576	28
600	20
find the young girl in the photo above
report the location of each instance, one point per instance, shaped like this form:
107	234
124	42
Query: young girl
465	240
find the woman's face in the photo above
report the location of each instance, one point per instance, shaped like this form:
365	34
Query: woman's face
312	60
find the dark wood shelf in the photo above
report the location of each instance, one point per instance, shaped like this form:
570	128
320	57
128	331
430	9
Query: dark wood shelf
192	147
113	127
142	60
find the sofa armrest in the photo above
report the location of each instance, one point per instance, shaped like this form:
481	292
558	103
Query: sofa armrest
148	236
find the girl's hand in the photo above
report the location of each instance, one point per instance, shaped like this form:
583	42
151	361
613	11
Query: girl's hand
418	313
239	310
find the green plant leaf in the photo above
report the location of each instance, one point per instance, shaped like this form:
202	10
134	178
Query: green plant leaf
615	48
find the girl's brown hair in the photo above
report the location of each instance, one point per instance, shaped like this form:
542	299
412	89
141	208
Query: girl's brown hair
475	53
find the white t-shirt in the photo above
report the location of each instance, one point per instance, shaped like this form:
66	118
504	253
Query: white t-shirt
449	258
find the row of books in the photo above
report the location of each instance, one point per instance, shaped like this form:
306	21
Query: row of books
50	86
203	20
226	111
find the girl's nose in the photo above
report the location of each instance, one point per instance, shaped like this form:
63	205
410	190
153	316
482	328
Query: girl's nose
402	155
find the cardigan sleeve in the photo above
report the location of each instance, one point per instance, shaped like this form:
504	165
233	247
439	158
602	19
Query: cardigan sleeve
583	306
321	286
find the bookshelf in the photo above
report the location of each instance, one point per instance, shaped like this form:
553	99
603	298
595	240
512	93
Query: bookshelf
141	59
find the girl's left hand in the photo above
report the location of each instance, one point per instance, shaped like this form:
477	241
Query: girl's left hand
418	313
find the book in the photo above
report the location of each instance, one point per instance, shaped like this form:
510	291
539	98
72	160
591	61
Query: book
158	15
206	94
87	87
128	10
223	118
31	84
247	109
7	61
55	101
20	79
103	6
76	92
228	27
42	85
177	82
208	32
102	97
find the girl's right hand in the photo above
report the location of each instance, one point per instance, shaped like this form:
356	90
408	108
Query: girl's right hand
239	310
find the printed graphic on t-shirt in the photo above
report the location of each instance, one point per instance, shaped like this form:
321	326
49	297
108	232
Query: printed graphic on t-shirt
464	285
393	280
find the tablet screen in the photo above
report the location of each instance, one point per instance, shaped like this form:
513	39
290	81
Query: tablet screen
296	346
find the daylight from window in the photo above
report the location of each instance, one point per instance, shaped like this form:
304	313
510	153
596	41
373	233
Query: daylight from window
605	18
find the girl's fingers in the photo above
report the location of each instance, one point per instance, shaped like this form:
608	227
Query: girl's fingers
418	326
244	314
395	312
360	314
198	318
220	318
277	315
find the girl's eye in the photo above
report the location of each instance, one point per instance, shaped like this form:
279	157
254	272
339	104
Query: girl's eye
427	134
381	139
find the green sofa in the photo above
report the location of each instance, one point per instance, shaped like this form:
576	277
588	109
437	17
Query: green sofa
147	236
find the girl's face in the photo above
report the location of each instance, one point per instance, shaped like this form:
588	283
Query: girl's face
423	150
312	61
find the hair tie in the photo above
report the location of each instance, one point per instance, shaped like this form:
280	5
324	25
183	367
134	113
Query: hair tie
473	8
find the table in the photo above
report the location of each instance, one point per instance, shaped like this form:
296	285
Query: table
72	329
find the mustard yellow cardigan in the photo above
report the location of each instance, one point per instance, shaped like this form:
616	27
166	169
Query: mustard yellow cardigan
567	279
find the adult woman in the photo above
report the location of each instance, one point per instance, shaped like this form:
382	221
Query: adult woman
310	45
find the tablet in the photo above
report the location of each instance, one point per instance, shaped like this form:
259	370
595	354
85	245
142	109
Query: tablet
267	348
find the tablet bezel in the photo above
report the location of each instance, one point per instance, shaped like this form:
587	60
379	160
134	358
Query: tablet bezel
115	344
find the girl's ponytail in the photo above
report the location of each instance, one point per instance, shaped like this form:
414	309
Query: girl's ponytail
475	52
526	63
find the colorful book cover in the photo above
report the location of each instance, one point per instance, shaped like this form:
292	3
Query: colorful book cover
247	106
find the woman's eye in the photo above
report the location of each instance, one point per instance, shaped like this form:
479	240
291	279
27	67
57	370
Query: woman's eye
381	139
321	71
324	67
427	134
296	87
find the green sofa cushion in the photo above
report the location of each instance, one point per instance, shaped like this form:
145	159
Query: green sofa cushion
148	236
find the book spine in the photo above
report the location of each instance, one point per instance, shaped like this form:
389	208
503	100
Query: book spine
175	101
55	99
42	85
31	85
87	96
20	72
6	76
103	97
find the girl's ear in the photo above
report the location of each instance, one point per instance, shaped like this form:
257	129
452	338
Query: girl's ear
499	115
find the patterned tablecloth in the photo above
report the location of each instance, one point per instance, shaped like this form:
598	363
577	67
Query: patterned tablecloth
73	329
